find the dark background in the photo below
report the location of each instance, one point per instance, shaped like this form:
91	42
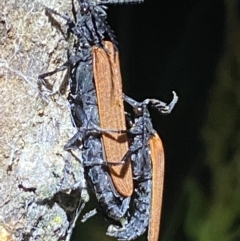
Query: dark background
178	45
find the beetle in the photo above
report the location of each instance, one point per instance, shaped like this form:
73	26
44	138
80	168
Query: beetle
90	27
84	108
147	157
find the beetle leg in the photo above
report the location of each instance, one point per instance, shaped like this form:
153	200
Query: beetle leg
70	23
133	148
89	215
162	107
78	212
131	101
42	77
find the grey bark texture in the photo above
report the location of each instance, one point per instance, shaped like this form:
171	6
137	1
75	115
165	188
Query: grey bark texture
40	183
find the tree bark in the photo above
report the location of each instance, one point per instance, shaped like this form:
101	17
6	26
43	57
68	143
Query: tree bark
37	177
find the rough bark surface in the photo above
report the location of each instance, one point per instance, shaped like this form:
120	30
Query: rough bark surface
37	177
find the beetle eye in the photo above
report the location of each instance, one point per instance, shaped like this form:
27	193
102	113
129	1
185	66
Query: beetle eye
84	7
138	110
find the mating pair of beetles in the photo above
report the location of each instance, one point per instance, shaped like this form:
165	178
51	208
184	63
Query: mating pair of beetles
122	154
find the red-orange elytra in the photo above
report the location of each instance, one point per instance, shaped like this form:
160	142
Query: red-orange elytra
157	155
108	83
